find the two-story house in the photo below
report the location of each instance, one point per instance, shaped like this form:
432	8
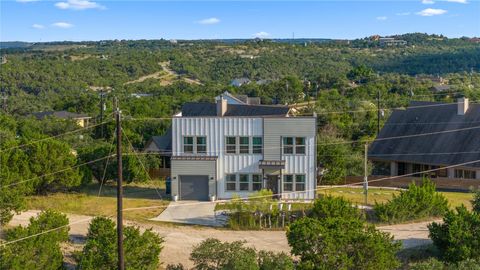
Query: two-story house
221	149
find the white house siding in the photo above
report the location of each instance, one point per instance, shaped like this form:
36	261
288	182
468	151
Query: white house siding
217	128
275	129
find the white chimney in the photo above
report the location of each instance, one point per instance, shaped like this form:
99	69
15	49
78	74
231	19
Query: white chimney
462	106
221	106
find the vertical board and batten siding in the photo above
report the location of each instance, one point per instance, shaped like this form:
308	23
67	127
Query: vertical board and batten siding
275	129
215	129
194	167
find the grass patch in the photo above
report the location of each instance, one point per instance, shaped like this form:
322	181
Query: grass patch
383	195
87	202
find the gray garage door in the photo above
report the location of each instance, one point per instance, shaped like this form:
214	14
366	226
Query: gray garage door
194	187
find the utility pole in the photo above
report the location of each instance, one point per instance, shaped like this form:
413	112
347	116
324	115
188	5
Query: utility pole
365	177
102	107
121	262
378	112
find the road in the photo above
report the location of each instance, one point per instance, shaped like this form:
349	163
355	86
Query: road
179	240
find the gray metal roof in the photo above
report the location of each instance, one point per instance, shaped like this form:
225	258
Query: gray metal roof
164	142
61	114
210	109
435	117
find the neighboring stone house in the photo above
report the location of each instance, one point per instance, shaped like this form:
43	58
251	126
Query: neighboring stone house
225	148
410	153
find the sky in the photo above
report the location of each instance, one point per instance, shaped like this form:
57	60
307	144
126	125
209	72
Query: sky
83	20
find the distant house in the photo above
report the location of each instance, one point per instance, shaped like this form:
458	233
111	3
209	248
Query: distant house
440	88
81	119
240	81
240	99
385	41
411	152
161	145
140	95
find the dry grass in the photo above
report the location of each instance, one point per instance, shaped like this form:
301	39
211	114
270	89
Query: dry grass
383	195
87	201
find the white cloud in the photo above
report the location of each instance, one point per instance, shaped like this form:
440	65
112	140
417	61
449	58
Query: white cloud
403	14
382	18
261	34
458	1
428	12
428	2
78	5
38	26
26	1
64	25
212	20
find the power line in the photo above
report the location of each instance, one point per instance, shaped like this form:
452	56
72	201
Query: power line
52	137
254	197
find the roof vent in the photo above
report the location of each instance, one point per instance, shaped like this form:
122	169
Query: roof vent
221	106
462	106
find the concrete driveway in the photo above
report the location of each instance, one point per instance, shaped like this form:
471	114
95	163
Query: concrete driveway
192	212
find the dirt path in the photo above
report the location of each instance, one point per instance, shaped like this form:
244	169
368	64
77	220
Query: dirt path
179	240
166	76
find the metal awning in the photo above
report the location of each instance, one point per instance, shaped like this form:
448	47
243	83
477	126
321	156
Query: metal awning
272	164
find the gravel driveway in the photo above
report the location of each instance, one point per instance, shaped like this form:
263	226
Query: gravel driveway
179	240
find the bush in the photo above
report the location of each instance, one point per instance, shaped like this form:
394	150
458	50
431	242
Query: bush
476	202
38	252
100	250
213	254
458	237
334	207
341	243
434	264
416	202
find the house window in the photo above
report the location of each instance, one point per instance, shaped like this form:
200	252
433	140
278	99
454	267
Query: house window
300	182
300	145
256	182
294	145
288	182
231	182
244	183
288	145
231	143
465	174
201	145
257	145
244	145
187	144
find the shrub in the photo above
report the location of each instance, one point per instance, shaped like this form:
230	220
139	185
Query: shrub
100	250
213	254
38	252
434	264
458	237
416	202
334	207
430	264
341	243
476	202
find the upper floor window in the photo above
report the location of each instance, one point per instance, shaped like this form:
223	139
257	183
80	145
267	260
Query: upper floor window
187	144
257	145
231	145
196	145
244	145
294	145
201	145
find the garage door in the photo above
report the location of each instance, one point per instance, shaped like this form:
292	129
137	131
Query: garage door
194	187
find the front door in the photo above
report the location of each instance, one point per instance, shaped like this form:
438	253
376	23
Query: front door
272	184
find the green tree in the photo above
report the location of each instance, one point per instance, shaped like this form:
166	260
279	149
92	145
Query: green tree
458	236
142	250
341	243
476	202
334	207
39	251
268	260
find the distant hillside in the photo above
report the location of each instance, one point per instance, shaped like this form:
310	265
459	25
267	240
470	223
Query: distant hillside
14	44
